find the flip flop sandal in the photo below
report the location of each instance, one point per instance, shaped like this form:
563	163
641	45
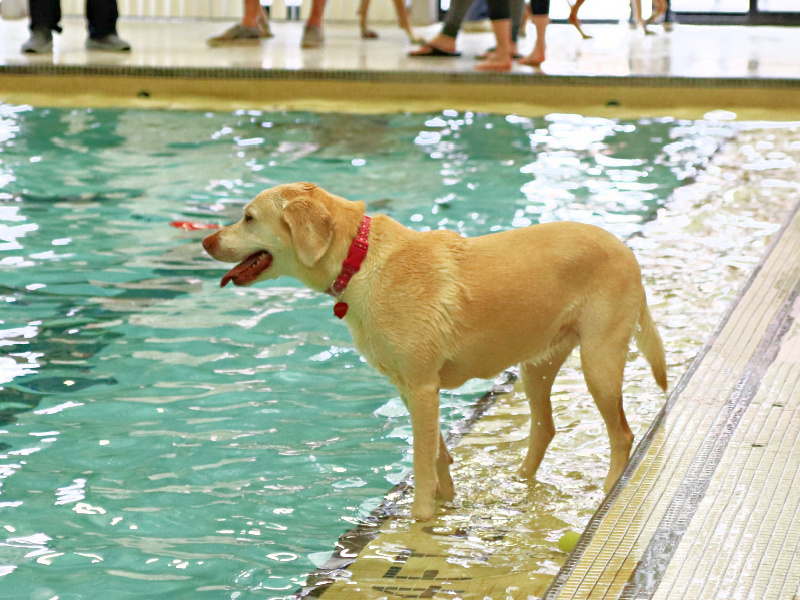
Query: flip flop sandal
427	51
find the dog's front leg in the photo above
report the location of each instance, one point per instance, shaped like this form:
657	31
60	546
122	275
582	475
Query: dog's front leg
423	405
445	489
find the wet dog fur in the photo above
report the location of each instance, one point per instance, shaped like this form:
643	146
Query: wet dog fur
431	310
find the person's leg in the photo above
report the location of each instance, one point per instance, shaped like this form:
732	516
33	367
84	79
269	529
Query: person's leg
636	13
573	18
456	15
363	11
101	16
446	39
44	18
500	59
659	11
541	19
45	15
405	22
517	11
317	13
517	8
252	10
312	33
669	18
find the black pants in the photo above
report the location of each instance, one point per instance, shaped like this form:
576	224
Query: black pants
499	10
538	7
101	16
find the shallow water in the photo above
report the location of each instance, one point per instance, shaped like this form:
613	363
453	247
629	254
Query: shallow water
164	438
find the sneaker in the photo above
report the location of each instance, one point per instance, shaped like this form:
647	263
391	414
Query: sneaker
238	35
41	42
108	43
312	37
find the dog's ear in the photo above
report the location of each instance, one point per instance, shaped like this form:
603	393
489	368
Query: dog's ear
311	226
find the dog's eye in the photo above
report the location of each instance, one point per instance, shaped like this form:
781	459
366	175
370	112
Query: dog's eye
248	217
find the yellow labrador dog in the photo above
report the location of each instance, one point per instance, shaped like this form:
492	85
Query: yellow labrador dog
432	310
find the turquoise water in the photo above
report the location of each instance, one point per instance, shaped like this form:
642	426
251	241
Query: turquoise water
163	438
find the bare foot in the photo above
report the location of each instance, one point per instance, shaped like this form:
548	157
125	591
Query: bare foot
514	53
414	39
495	62
643	24
659	10
368	34
534	59
656	16
574	20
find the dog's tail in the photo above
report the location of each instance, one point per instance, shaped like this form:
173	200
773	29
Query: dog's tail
650	344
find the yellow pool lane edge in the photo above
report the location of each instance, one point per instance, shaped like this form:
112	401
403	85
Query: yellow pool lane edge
621	97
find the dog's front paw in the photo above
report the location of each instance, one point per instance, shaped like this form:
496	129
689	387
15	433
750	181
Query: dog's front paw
422	511
526	472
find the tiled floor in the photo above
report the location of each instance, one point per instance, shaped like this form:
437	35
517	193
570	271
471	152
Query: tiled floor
750	71
614	50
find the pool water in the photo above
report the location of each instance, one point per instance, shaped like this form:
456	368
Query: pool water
163	438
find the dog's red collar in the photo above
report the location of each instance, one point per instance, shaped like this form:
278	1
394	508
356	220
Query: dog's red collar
350	266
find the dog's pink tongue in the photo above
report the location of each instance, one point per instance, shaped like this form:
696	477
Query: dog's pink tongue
231	274
243	267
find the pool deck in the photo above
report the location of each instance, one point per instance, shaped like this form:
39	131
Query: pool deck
752	71
708	507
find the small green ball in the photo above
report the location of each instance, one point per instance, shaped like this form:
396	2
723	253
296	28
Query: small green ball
568	541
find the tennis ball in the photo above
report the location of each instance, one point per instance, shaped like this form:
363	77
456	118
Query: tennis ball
568	541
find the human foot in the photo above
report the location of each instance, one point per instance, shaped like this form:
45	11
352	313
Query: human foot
495	62
576	22
442	42
534	59
429	49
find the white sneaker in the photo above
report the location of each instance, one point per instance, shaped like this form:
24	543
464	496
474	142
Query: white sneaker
108	43
40	42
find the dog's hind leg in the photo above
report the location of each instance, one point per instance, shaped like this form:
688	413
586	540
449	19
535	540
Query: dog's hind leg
603	360
537	379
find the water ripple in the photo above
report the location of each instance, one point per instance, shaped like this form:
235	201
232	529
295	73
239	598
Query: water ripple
208	443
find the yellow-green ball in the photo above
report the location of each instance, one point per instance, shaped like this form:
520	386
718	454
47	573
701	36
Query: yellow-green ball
568	541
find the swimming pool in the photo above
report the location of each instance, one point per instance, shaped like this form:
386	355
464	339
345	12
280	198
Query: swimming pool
164	438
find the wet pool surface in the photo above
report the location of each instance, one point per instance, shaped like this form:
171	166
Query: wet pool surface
162	438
